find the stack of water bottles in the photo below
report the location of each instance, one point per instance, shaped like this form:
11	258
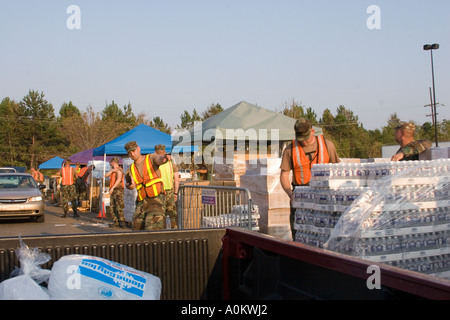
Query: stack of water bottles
319	206
402	219
238	217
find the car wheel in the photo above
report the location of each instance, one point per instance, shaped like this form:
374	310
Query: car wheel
40	218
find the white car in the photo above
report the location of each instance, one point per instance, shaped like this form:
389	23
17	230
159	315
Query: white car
185	174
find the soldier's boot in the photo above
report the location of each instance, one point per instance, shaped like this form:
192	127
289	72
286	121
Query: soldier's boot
75	214
64	215
122	224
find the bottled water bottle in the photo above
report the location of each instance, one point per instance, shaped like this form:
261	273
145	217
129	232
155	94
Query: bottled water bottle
168	223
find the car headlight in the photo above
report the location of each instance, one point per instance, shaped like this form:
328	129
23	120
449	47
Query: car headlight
33	199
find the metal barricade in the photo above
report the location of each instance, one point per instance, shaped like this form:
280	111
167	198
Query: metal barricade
216	207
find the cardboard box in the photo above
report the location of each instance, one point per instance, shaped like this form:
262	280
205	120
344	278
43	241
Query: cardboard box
435	153
271	200
275	216
261	183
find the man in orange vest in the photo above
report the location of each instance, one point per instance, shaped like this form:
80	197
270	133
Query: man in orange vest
305	150
68	190
144	176
116	187
38	176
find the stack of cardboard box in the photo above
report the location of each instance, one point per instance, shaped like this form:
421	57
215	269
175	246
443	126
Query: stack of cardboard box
263	181
229	169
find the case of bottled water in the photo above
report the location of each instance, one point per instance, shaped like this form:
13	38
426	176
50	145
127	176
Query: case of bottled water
402	219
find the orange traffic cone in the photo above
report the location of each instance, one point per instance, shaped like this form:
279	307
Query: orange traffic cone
101	213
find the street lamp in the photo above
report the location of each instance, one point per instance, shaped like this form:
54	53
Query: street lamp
432	47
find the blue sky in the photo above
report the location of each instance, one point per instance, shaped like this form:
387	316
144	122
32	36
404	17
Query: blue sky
165	57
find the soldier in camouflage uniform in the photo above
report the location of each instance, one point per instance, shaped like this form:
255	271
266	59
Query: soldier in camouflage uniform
409	147
144	176
116	188
148	214
169	174
68	190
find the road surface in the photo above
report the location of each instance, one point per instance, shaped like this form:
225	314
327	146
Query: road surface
55	225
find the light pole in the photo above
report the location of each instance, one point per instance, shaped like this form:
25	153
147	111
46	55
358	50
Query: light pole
432	47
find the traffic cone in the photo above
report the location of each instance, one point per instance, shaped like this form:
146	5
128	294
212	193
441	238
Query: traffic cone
101	213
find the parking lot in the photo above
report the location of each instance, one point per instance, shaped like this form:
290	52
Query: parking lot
55	225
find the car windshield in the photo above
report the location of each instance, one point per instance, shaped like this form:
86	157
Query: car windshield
17	182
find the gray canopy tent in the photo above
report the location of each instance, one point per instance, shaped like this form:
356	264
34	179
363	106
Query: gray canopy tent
242	122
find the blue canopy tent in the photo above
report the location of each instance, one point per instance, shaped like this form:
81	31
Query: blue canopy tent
53	163
145	136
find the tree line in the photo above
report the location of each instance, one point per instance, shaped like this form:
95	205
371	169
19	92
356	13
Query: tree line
31	133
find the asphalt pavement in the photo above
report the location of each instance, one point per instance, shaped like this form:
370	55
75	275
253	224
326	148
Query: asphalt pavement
54	224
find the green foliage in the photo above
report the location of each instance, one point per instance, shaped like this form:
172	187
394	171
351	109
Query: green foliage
160	125
31	133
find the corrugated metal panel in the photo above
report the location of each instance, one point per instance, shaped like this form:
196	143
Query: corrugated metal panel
183	260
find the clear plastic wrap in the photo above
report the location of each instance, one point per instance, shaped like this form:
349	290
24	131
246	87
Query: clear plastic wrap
402	220
25	281
238	217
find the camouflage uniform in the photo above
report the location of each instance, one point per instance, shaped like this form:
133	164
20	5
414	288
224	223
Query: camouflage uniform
69	193
117	205
81	189
413	149
171	208
150	214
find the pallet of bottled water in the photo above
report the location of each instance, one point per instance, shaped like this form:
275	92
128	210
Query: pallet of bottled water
318	210
403	220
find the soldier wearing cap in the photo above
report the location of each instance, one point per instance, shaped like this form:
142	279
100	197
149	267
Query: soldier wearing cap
409	147
144	176
169	174
308	148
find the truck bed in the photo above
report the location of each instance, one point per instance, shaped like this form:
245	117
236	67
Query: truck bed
235	264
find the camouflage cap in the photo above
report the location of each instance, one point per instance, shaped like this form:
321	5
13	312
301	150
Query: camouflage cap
160	147
406	126
131	146
115	159
302	129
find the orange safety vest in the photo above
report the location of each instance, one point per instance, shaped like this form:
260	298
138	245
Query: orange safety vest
151	184
302	164
82	172
67	176
38	176
112	180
